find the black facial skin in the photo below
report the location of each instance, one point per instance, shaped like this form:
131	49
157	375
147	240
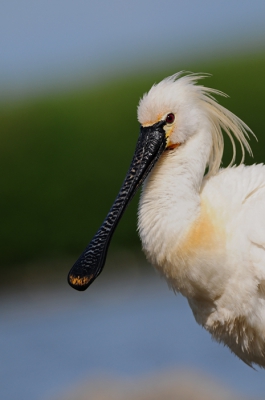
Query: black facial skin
151	144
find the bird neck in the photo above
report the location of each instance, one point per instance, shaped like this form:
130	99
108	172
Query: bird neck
170	200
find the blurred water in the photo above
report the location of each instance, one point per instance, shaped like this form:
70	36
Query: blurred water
51	339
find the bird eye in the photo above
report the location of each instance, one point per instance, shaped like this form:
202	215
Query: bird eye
170	118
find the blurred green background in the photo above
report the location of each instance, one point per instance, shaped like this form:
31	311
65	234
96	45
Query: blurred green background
64	156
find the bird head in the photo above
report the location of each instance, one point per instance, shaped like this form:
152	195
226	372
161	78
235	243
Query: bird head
175	101
169	114
185	108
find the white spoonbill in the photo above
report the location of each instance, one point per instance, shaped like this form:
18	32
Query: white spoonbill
204	233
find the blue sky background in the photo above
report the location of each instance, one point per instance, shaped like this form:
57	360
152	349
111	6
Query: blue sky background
46	42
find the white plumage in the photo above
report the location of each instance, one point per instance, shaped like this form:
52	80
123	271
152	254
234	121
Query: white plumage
206	233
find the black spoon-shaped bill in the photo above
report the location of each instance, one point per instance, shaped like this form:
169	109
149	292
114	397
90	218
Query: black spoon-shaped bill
150	145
